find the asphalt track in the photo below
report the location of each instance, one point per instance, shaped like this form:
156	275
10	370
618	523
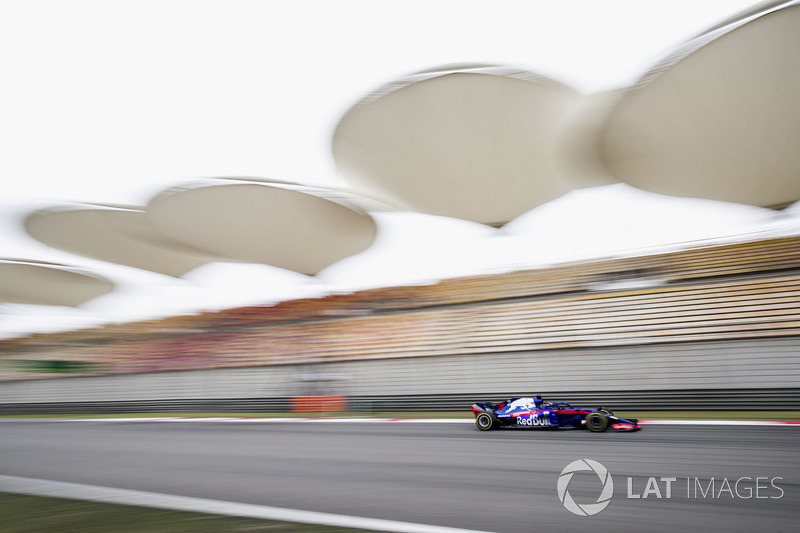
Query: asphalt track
447	475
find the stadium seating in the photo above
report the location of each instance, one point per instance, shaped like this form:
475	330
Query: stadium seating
731	291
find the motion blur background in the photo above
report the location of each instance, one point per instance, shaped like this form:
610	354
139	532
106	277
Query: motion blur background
535	170
402	206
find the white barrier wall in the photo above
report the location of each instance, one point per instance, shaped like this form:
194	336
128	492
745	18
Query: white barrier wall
771	363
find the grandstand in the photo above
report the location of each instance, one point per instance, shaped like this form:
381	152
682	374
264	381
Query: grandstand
735	291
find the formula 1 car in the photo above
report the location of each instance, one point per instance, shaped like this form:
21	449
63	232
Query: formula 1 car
534	413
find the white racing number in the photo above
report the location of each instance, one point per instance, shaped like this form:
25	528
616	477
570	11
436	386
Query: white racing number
535	420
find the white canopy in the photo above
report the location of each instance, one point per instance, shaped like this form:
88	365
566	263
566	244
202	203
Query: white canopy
40	283
303	229
719	119
473	142
122	235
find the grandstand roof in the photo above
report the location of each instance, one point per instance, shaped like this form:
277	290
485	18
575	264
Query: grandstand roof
275	121
577	149
468	141
122	235
40	283
718	118
299	228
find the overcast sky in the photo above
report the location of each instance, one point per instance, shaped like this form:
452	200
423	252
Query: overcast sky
111	102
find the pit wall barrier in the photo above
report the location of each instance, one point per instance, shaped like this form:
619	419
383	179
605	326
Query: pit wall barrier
739	400
672	374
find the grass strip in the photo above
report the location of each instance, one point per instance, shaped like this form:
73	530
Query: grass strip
22	513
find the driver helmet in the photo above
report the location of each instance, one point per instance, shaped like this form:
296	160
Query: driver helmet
538	401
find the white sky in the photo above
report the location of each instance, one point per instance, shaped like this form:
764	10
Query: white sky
111	102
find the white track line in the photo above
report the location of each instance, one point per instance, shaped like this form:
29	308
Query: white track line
256	420
277	420
721	422
76	491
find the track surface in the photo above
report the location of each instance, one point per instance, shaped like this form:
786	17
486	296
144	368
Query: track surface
449	475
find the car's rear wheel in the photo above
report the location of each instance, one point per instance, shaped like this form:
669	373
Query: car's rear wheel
596	422
484	421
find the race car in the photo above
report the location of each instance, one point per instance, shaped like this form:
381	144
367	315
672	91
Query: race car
534	413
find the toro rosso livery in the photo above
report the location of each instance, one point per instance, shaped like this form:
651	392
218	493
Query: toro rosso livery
534	413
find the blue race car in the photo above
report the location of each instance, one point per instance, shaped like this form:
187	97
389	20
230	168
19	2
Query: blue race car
534	413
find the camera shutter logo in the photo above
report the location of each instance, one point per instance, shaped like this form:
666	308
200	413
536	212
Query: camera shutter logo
585	465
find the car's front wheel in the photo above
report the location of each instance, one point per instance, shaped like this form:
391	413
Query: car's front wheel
596	422
484	421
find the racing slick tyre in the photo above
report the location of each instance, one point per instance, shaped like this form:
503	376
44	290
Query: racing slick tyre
485	421
596	421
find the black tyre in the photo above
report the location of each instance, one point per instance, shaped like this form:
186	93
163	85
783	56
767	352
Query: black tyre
485	421
596	422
